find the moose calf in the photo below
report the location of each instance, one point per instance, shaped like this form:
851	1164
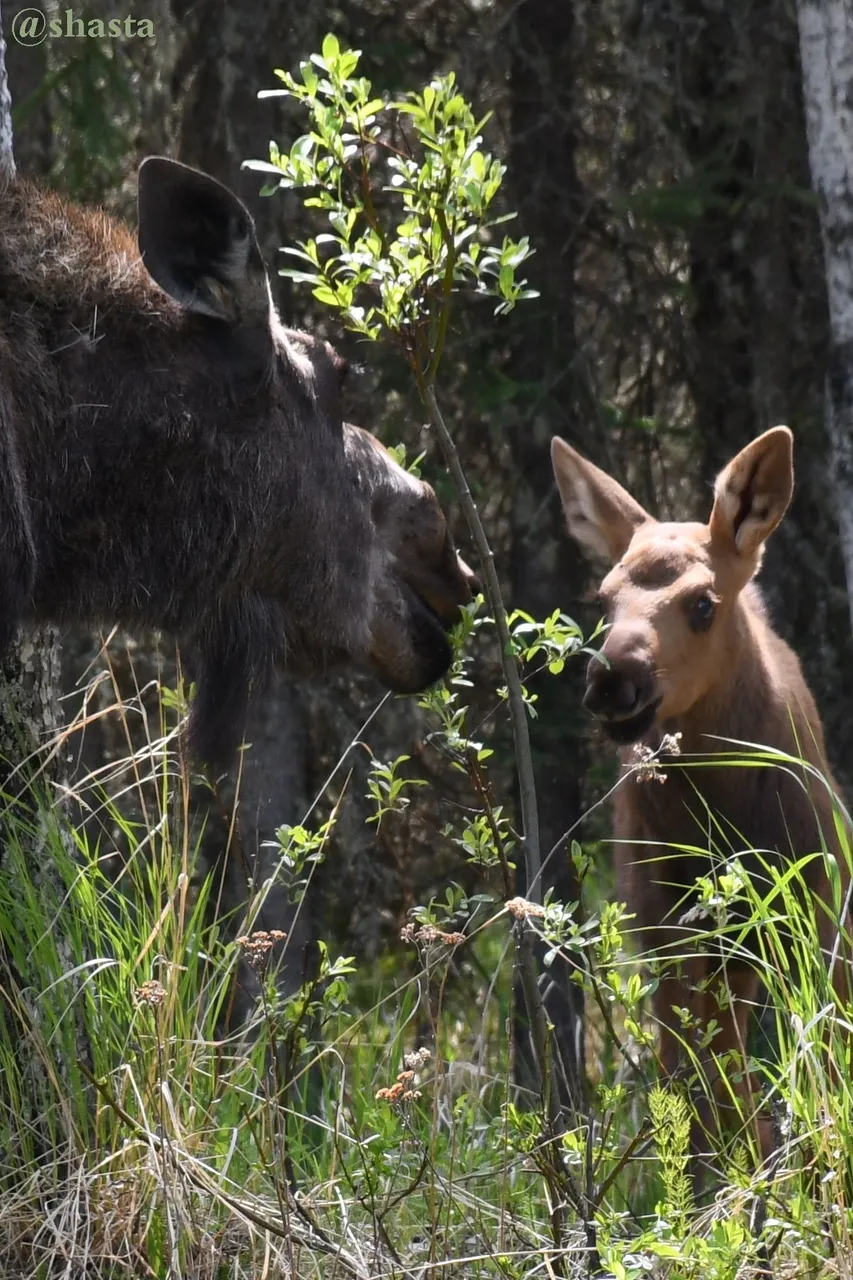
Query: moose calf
690	649
172	457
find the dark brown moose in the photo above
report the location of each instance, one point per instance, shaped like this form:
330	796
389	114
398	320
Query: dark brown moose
690	650
171	456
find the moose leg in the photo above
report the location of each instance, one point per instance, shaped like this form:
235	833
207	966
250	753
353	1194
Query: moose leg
234	660
736	1100
723	1106
682	990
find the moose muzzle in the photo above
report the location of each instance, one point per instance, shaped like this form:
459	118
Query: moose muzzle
621	692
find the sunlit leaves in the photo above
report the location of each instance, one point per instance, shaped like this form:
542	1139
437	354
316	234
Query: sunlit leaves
408	189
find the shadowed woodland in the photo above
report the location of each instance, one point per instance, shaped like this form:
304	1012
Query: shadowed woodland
657	158
658	162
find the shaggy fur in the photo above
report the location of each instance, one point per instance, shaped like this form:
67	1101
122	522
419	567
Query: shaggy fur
172	457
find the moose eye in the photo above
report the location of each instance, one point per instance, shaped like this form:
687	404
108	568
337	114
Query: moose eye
702	612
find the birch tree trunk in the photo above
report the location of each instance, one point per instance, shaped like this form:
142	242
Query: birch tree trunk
826	52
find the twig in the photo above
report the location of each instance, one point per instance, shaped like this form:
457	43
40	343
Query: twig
517	709
481	787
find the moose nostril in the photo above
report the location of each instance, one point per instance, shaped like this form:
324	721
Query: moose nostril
612	693
626	696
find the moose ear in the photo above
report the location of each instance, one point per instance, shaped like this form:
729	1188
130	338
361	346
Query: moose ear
197	241
752	493
601	515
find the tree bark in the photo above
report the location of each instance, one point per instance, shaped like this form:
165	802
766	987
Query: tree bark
7	155
546	574
826	52
757	306
29	697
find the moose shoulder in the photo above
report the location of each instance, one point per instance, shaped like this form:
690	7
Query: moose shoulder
171	456
690	649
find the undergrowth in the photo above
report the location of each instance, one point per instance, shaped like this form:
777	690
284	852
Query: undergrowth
367	1124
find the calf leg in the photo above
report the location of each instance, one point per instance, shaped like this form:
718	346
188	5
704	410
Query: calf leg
727	1104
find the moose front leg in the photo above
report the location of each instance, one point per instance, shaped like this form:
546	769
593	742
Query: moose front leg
236	657
736	1090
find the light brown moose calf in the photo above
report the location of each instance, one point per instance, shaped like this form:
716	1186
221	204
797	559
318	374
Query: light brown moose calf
690	650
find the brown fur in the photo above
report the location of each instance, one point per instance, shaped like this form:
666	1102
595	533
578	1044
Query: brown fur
670	669
171	456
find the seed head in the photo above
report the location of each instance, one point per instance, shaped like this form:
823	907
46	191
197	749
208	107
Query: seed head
519	908
256	947
152	993
417	1059
428	933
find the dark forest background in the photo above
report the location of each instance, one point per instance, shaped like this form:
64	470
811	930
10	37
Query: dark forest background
657	160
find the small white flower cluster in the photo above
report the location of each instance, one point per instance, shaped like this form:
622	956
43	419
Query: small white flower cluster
646	761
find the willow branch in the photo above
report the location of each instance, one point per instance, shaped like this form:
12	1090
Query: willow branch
517	709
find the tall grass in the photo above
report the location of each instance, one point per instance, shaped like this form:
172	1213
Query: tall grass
367	1124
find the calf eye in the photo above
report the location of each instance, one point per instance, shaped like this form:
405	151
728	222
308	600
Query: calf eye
702	612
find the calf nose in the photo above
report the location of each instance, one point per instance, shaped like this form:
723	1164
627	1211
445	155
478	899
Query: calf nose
619	690
612	694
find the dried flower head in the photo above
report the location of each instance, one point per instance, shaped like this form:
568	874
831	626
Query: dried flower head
403	1089
646	761
519	908
257	946
152	993
417	1059
427	934
397	1094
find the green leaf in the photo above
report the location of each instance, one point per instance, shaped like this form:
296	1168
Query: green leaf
331	48
324	294
261	166
309	77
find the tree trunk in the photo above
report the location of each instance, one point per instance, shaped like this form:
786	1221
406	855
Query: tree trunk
758	307
29	695
545	570
826	51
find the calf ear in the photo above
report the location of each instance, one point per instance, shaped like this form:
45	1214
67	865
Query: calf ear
601	515
197	241
752	494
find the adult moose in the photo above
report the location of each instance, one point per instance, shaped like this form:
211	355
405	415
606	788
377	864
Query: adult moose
171	456
690	649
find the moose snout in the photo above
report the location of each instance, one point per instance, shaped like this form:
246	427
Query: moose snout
613	695
622	691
